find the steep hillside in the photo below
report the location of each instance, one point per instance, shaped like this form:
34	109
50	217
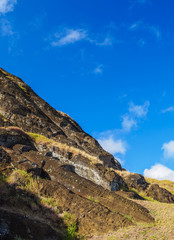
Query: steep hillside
56	178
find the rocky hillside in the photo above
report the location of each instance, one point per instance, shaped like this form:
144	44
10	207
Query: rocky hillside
56	181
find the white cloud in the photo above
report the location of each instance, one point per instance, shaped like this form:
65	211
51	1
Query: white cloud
168	149
169	109
69	36
139	110
6	28
128	123
99	69
7	5
113	146
159	172
107	42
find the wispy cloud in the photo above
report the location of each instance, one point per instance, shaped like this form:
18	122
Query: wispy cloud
135	3
12	37
141	42
66	36
168	149
112	140
128	123
7	6
135	112
135	25
160	172
98	69
106	42
113	146
6	28
69	36
139	110
151	29
169	109
155	30
164	94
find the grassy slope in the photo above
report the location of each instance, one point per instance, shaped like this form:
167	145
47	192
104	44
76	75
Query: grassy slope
162	229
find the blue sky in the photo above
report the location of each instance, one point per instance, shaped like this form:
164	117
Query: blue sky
108	64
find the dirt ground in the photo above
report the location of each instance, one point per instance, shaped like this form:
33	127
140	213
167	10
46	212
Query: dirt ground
162	229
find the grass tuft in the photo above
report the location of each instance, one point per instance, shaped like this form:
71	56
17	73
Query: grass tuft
93	200
71	222
23	88
142	194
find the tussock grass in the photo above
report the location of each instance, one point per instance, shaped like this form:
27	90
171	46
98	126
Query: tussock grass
24	181
3	71
14	79
14	128
11	77
5	119
64	114
23	88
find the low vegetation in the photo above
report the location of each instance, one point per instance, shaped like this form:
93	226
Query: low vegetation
71	222
28	198
93	200
23	88
142	194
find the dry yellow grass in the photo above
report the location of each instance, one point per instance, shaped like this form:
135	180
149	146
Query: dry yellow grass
64	114
162	229
38	138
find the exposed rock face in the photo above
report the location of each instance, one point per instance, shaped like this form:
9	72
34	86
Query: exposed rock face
138	182
134	180
160	194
